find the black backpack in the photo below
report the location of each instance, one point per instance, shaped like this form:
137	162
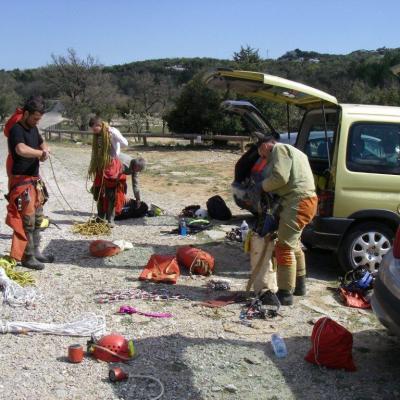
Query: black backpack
217	208
129	210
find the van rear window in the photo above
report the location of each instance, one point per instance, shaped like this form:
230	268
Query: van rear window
374	148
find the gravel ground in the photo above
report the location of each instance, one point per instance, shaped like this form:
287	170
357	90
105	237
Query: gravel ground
200	353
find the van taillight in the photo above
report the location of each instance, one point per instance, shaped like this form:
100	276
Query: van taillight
325	203
396	244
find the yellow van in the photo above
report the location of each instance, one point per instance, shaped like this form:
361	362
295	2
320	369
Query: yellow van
354	152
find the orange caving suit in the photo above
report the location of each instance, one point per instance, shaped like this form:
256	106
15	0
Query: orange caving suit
289	175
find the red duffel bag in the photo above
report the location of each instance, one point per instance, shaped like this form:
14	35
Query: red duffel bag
197	261
331	345
161	268
103	248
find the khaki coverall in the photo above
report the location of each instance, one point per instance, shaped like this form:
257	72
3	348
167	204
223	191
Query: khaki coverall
289	175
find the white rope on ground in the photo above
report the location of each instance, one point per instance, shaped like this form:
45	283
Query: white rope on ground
88	324
14	294
152	378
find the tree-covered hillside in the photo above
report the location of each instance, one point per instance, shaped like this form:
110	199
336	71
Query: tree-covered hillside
141	90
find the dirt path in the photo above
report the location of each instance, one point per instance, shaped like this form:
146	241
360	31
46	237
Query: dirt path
200	353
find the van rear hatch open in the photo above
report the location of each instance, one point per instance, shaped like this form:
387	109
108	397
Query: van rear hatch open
268	87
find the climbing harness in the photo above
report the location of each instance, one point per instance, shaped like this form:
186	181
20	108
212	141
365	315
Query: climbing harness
109	296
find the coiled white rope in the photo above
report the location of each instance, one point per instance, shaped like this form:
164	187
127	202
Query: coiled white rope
88	324
14	294
154	379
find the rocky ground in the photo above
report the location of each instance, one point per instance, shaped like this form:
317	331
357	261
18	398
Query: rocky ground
200	353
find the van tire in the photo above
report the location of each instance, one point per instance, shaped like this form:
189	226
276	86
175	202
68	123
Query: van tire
357	235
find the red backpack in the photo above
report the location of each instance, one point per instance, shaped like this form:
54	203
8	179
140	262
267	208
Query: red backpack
331	345
17	116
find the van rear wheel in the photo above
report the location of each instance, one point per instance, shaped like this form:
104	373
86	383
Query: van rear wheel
365	245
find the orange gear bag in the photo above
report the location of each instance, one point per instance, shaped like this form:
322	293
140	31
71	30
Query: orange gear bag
161	268
103	248
197	261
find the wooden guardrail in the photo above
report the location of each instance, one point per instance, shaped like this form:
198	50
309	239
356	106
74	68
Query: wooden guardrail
192	137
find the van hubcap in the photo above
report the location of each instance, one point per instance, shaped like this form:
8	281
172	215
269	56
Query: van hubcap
368	249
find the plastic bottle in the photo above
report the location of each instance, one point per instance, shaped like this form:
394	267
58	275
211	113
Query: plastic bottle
279	346
244	230
182	227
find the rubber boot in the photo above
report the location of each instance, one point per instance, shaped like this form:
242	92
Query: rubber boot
286	275
38	254
110	214
29	260
285	297
300	289
111	218
101	214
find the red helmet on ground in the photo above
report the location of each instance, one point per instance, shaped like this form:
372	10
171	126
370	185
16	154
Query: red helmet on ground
112	348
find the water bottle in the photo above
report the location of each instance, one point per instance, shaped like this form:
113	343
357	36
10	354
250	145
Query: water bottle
182	227
279	346
244	230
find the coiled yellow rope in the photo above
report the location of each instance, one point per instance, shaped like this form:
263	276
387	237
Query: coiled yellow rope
91	228
22	278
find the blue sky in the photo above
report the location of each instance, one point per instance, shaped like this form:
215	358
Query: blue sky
120	31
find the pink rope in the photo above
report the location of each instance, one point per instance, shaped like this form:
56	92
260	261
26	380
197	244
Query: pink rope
133	310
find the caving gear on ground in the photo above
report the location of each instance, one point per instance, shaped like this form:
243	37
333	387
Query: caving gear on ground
234	234
217	208
285	297
189	211
201	213
161	268
111	348
359	279
354	299
130	210
197	261
256	308
331	346
103	248
194	226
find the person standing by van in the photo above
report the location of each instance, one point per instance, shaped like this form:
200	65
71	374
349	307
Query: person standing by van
289	176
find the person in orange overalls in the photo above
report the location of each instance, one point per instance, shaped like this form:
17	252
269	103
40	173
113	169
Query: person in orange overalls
289	176
27	193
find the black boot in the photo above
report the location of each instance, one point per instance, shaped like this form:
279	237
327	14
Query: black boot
285	297
38	255
300	289
110	212
101	214
29	260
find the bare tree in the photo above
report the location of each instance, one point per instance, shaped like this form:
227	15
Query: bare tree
83	87
146	93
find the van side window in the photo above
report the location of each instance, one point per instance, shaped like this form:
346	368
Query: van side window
316	147
374	148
